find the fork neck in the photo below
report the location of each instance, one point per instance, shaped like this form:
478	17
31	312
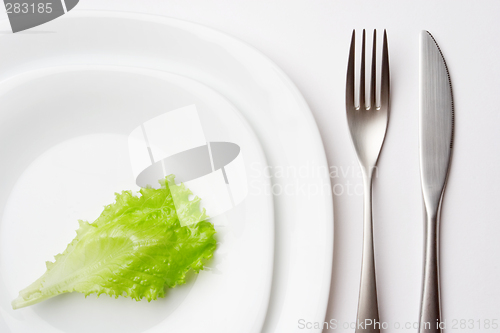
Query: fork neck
368	173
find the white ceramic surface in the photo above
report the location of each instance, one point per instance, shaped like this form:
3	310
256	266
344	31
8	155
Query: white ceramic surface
260	91
67	153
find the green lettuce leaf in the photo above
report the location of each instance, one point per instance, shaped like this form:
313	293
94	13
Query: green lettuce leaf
136	248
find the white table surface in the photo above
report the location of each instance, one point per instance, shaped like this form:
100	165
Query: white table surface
309	40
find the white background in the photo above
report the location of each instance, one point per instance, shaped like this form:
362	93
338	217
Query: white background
309	40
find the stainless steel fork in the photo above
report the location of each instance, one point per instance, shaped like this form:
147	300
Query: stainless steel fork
368	126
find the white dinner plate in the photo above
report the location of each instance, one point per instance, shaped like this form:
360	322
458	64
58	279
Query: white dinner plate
263	94
67	152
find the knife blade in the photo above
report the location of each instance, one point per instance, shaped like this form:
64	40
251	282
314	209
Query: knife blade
436	144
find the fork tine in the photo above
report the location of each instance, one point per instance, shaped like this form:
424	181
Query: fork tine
362	75
385	84
349	90
373	87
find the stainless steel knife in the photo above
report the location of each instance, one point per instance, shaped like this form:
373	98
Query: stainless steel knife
436	143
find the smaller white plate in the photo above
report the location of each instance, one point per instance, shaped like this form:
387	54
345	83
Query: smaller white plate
63	139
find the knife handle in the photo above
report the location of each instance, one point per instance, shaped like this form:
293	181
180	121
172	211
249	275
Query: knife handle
430	309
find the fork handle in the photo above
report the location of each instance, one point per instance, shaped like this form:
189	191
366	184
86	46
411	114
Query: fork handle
368	319
430	309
